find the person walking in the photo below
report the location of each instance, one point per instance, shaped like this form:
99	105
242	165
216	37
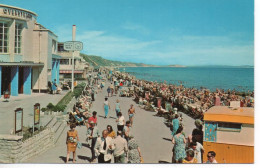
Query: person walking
198	150
108	91
54	87
120	122
92	135
106	107
120	148
93	118
104	148
127	130
134	153
71	141
117	107
131	113
112	89
179	142
190	157
111	132
175	124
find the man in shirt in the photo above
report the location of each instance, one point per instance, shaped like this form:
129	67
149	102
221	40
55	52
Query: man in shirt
92	135
198	150
211	157
93	118
127	130
120	148
104	148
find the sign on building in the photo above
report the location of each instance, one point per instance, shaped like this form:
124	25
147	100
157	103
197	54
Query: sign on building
73	45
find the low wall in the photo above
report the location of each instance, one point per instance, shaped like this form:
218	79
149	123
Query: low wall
13	150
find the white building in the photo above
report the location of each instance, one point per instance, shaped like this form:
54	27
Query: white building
28	52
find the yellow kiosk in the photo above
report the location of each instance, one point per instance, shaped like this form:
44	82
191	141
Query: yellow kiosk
230	133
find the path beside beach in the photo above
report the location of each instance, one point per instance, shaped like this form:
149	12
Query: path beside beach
152	134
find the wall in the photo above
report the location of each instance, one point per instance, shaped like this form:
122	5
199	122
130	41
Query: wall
226	153
13	150
244	137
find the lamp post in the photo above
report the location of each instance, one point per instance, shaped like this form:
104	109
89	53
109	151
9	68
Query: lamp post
72	72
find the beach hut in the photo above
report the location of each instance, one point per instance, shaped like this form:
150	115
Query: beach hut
230	133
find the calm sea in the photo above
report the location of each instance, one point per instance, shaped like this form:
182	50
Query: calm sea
241	79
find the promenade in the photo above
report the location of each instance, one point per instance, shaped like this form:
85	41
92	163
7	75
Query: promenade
26	102
153	137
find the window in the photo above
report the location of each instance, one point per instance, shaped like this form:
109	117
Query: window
223	126
18	38
64	61
4	37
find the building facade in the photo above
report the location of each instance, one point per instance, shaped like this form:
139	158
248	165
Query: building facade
80	65
28	52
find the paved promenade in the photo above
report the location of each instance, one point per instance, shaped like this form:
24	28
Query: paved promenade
150	132
26	102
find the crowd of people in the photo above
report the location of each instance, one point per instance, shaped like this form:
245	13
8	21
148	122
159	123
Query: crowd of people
195	102
105	145
121	144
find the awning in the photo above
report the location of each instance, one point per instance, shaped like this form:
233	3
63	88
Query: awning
69	71
56	56
26	64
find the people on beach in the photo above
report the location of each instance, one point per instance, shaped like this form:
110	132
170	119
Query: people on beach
71	141
104	148
179	142
120	148
120	122
131	113
106	107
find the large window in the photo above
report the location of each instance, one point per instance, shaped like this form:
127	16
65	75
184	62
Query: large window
18	38
3	37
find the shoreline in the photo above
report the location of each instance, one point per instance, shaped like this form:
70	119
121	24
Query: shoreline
239	91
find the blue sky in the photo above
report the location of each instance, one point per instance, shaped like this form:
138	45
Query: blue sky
162	32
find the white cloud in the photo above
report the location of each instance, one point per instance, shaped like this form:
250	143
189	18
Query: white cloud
178	49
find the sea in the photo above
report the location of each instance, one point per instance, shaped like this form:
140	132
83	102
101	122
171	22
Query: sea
240	79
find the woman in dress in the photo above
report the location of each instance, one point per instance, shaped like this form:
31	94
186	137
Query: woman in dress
179	142
134	153
111	132
106	107
117	107
71	141
120	122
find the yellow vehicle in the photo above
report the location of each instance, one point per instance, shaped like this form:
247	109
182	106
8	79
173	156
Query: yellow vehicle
230	133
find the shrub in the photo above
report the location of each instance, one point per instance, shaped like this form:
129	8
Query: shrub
44	109
50	106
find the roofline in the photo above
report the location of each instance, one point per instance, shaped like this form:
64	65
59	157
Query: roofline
8	6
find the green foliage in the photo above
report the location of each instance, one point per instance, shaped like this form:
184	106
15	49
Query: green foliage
50	107
78	89
44	109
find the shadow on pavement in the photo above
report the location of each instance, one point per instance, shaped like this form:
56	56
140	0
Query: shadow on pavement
64	159
84	158
101	116
167	139
86	145
112	117
162	161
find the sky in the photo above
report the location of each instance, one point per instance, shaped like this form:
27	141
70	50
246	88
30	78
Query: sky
160	32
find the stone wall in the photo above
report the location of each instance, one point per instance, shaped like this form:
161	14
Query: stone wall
13	150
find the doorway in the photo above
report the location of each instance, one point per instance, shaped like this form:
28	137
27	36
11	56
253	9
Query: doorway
6	79
20	80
